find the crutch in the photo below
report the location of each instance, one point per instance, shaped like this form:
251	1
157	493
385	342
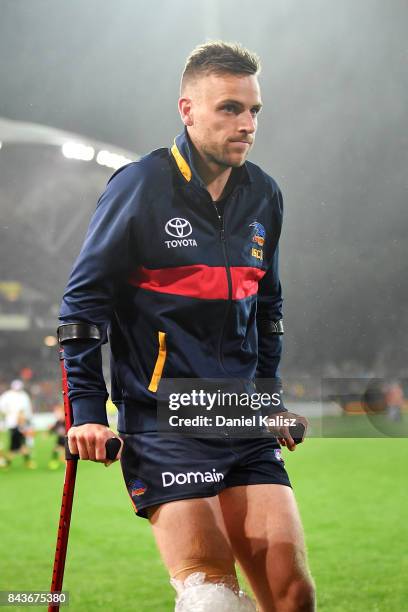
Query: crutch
65	333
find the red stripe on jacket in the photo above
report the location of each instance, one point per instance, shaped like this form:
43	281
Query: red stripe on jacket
199	281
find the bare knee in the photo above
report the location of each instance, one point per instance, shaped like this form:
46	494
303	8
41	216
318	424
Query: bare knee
298	597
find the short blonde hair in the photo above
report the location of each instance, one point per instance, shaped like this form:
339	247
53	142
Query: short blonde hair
219	57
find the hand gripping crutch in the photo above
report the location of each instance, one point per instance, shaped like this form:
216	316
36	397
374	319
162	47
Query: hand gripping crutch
66	333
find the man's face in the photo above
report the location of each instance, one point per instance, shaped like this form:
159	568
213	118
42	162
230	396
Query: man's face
221	114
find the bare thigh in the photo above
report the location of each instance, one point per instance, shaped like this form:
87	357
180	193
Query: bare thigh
266	535
191	536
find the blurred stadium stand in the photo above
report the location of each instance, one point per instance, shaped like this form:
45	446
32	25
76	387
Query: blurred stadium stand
50	183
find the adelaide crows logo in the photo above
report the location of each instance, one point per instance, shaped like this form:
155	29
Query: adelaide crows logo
259	233
136	488
258	236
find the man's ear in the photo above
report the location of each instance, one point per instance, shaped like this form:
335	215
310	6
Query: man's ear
185	107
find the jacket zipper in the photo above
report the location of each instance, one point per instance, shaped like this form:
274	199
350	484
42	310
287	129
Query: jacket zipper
229	280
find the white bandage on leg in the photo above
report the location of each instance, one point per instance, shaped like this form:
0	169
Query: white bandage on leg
194	594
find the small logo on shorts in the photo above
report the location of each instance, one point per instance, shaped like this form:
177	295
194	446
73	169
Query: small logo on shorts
278	454
136	488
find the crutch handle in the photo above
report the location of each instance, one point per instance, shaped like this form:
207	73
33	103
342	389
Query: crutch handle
112	448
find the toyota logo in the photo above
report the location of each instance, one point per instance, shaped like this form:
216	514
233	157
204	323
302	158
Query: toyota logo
178	227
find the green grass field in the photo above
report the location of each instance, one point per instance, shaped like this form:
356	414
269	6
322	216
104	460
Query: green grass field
352	495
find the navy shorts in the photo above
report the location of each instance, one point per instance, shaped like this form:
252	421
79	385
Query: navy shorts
158	469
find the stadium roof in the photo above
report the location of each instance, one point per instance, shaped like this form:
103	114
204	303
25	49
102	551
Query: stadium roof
24	132
50	181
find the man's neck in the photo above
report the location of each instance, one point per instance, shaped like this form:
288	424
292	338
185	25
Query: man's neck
214	176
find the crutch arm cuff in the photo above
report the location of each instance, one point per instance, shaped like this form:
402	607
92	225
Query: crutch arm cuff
77	331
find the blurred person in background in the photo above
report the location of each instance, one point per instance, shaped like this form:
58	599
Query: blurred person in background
58	428
16	407
394	399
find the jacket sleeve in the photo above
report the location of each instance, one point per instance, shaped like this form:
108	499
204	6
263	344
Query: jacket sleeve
104	261
269	304
269	311
269	308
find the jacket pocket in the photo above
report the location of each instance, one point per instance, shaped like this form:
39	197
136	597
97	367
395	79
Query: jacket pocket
160	362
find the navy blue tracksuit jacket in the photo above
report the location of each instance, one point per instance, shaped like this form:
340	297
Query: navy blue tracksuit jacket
178	292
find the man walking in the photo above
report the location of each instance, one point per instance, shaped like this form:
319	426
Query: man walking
179	270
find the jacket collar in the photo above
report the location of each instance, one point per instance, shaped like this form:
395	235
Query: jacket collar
182	153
